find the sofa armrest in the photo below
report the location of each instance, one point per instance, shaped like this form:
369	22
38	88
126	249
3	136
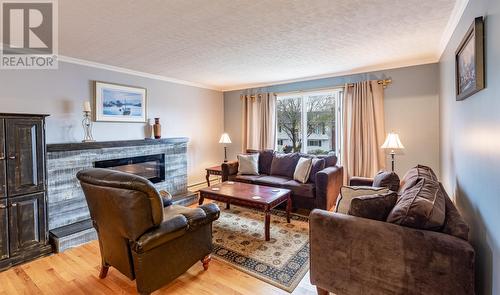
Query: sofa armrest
360	181
229	168
350	255
169	229
328	184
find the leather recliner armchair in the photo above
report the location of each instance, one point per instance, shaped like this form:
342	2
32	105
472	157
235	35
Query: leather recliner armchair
140	238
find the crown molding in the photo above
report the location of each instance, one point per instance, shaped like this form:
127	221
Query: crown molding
362	70
456	14
102	66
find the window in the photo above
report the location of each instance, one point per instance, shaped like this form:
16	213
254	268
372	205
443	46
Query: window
310	118
314	143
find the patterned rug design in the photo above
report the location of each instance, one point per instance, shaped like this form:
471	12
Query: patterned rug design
283	261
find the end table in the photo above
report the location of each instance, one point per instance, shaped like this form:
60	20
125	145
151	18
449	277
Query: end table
215	170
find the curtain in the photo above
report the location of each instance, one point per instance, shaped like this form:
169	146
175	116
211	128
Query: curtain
363	129
259	121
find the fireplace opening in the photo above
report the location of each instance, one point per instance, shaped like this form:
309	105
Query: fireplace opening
151	167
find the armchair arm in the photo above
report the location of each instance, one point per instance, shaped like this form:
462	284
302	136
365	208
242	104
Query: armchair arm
328	184
360	181
229	168
350	255
212	211
169	229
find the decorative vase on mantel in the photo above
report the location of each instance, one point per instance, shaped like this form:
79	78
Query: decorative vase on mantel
157	128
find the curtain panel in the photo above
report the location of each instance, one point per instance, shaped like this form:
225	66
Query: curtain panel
259	121
363	129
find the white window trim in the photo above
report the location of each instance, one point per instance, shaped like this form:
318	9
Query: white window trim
338	118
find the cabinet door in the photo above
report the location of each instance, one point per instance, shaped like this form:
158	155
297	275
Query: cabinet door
25	156
4	230
26	222
3	183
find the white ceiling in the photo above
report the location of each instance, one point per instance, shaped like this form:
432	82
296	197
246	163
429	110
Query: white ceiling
233	44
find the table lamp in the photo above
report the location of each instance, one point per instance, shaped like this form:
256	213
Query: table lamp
224	139
392	143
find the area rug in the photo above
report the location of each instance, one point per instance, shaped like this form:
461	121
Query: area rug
283	261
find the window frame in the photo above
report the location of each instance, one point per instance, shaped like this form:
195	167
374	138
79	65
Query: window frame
337	92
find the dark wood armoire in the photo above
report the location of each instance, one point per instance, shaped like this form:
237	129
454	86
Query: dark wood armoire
23	212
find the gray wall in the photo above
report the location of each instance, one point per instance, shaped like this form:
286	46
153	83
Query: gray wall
470	145
411	109
184	110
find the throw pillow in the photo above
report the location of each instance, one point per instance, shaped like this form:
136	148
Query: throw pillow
421	206
318	164
284	164
347	193
411	177
387	179
265	159
248	164
302	170
376	207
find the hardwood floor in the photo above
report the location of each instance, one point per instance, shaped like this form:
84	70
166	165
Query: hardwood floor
76	271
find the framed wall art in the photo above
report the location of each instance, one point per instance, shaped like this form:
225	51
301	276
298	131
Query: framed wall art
469	61
119	103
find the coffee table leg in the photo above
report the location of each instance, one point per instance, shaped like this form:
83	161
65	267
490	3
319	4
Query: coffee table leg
228	205
200	201
267	224
207	177
288	208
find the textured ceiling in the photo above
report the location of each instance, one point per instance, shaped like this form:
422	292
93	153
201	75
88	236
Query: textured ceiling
230	44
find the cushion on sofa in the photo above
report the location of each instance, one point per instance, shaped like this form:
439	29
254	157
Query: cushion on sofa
306	190
330	160
265	159
275	181
302	170
247	178
376	207
454	224
318	164
284	164
411	177
387	179
248	164
347	193
421	206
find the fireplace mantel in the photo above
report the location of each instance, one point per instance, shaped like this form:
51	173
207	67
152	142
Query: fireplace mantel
76	146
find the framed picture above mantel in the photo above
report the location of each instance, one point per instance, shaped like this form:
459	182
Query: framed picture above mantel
469	61
119	103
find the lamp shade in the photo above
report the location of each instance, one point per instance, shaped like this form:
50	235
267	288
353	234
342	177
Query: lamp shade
392	142
224	138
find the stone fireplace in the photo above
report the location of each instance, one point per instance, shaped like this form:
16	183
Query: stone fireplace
163	161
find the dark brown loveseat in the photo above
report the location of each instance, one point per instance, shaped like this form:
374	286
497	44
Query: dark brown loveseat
354	255
276	170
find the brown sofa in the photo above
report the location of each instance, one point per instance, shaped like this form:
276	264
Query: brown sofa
276	170
354	255
140	238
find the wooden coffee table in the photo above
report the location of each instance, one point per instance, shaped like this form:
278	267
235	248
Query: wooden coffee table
254	196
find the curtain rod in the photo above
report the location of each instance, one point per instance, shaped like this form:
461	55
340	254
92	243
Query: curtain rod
384	83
